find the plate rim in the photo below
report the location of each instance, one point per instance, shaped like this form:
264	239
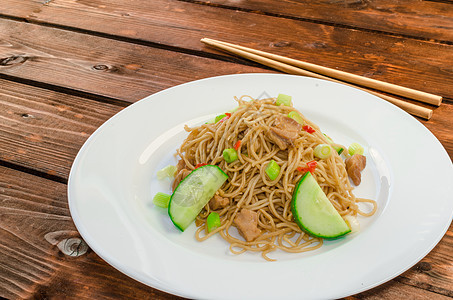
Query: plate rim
118	265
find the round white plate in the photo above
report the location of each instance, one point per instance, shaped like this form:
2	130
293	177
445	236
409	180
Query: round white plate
112	182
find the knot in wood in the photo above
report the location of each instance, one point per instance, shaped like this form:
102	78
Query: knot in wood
12	60
25	116
280	44
423	266
68	242
107	68
73	247
101	67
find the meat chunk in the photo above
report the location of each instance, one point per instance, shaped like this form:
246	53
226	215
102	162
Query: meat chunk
354	165
284	132
246	222
180	176
217	202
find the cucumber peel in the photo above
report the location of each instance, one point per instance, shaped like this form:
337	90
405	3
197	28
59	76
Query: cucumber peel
193	193
314	213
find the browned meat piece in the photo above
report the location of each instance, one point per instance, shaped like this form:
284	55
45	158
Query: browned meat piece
284	132
180	176
217	202
354	165
246	222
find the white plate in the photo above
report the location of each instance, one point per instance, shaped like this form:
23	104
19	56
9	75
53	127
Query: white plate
112	182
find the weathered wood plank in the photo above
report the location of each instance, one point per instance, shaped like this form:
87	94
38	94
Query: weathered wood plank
394	59
43	130
35	221
393	290
35	226
441	126
423	19
98	65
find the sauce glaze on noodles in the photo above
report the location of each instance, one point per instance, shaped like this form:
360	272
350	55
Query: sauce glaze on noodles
248	185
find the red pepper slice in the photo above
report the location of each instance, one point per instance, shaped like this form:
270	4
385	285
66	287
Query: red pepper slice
308	129
200	165
311	166
237	145
228	114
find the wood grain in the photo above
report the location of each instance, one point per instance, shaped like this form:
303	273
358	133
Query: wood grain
419	19
66	66
43	130
181	25
33	215
96	65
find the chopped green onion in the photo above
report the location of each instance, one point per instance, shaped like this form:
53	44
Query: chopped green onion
230	155
355	148
338	149
335	147
219	117
161	199
283	99
323	151
169	171
328	138
272	170
213	221
295	116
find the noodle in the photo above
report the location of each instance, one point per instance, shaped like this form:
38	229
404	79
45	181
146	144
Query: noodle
249	187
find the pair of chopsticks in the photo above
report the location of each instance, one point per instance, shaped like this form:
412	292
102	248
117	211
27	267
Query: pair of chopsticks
297	67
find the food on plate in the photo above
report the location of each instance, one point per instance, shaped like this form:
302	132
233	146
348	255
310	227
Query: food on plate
193	193
314	213
280	182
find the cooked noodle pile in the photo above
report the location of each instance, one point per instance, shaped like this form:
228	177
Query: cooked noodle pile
248	185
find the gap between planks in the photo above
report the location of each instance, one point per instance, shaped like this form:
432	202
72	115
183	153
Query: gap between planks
65	90
141	42
31	171
322	22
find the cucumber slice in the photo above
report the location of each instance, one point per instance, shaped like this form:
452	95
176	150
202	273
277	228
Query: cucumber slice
193	193
314	213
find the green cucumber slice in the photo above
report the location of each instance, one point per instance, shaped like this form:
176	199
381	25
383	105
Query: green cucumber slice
193	193
314	213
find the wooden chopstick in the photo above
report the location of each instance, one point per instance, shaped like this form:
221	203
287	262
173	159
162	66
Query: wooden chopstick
345	76
413	109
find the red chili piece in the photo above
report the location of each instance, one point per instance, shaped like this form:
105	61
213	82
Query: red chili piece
311	166
308	129
237	145
200	165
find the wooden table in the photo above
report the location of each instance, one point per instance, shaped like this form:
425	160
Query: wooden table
66	66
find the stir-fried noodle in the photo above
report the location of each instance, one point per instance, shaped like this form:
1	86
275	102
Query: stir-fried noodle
248	185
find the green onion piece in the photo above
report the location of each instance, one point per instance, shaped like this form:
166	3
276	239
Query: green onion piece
213	221
168	171
283	99
161	199
219	117
272	170
328	138
295	116
323	151
230	155
355	148
336	148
